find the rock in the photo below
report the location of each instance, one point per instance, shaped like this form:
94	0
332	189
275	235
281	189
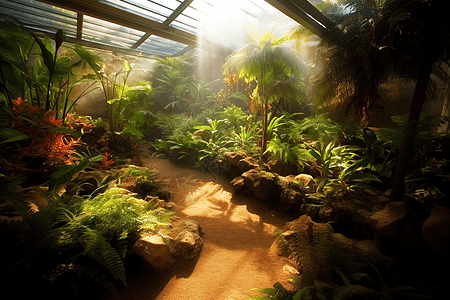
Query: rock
246	164
311	210
154	251
370	192
88	182
381	198
302	223
237	182
328	213
391	231
387	221
203	134
290	199
261	184
306	179
436	229
277	166
233	157
188	243
159	155
171	205
282	168
161	203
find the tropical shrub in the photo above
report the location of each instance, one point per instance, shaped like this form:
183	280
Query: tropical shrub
287	153
33	71
178	91
273	68
320	128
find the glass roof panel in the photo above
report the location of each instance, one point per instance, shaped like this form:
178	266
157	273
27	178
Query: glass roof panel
109	33
40	16
222	22
160	46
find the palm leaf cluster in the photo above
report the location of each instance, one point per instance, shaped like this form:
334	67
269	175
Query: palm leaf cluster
374	42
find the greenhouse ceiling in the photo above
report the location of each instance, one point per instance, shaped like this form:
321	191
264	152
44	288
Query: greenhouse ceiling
161	27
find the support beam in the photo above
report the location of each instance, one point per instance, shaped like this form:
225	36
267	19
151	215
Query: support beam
116	14
169	20
304	13
79	26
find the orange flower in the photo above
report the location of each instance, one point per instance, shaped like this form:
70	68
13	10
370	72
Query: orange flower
106	162
34	109
51	120
17	106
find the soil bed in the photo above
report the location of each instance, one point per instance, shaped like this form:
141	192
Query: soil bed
238	234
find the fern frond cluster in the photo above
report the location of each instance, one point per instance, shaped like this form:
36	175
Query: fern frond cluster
75	237
321	255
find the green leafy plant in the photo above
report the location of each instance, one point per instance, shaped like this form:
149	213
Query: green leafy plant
349	180
64	173
173	83
278	292
274	69
331	157
274	125
33	71
214	128
286	153
320	128
246	137
73	239
235	117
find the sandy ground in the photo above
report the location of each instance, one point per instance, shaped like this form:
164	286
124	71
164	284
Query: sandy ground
235	257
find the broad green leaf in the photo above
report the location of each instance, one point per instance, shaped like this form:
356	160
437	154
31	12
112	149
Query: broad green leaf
47	54
303	294
11	135
65	173
133	131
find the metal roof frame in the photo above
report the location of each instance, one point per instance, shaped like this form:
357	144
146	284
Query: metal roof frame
160	26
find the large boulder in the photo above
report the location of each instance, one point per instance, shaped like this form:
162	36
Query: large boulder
154	251
436	230
392	233
261	184
386	222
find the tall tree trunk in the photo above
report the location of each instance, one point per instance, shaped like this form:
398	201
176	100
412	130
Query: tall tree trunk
431	28
411	129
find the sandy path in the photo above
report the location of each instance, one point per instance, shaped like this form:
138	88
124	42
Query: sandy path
235	256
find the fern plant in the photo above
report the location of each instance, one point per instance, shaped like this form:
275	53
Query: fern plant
320	128
287	153
74	237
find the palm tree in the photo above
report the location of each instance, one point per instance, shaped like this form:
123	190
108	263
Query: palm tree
274	69
373	42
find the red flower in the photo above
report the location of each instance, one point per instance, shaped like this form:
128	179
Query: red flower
34	109
51	120
17	106
106	162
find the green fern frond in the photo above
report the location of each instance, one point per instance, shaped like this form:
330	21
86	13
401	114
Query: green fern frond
97	248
